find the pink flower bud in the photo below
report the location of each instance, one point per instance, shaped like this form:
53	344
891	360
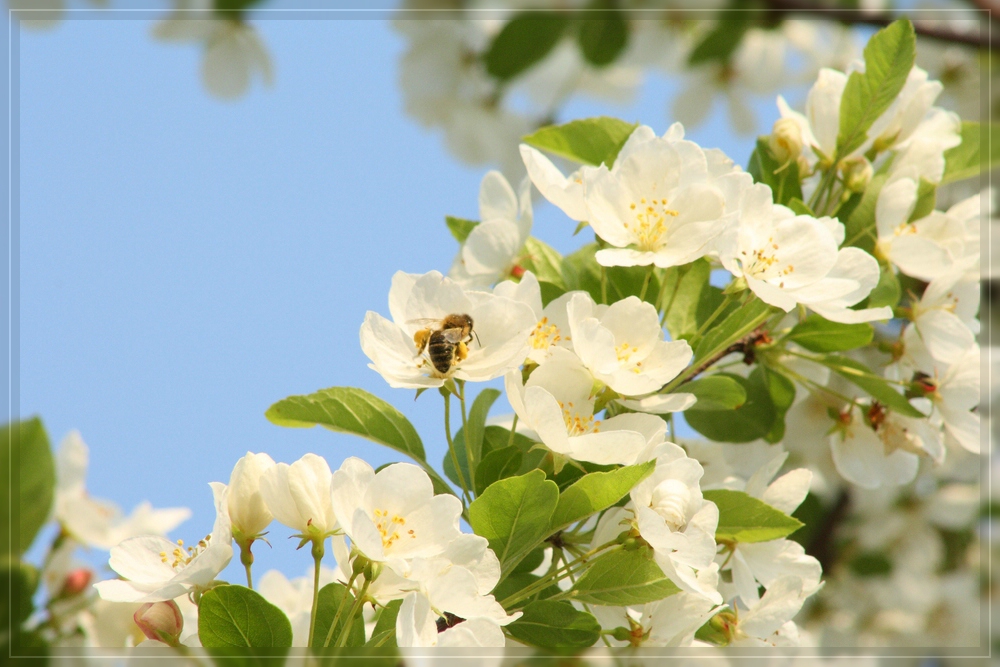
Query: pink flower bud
161	621
76	582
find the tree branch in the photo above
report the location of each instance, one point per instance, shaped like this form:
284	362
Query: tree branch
931	30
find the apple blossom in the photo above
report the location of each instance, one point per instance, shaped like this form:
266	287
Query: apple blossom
156	569
664	201
955	392
247	510
884	448
492	247
552	322
557	403
927	248
677	522
393	515
502	327
298	495
622	344
945	316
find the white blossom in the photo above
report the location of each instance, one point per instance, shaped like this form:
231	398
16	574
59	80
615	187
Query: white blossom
247	510
676	520
501	325
622	344
557	404
155	568
393	516
491	250
298	495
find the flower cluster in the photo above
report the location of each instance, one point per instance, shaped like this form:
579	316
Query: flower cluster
814	318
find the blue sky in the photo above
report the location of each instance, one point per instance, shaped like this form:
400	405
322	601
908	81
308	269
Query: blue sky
185	262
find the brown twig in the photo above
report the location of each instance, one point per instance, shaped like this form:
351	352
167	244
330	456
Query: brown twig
979	39
823	546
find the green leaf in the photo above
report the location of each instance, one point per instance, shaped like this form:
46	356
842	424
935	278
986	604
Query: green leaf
588	141
715	392
26	462
498	437
736	325
799	207
597	491
686	288
514	514
818	334
498	464
460	228
603	35
622	578
871	564
889	58
926	199
355	411
237	617
722	41
859	228
18	584
879	389
330	598
752	420
475	425
781	178
967	160
743	518
544	261
782	392
626	281
887	292
550	624
524	40
384	633
518	581
550	292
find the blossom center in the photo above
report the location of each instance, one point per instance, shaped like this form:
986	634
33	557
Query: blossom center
389	527
545	335
650	225
671	500
624	353
576	423
181	555
763	263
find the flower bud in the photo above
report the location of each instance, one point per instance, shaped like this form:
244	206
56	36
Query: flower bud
785	141
856	172
298	495
247	510
160	621
76	582
622	634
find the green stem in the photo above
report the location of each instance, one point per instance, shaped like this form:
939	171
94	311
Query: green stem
715	354
451	445
711	318
469	458
558	573
823	184
246	558
317	554
340	611
604	285
513	430
359	602
645	283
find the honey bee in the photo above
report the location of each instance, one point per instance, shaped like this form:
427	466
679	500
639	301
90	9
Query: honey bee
445	341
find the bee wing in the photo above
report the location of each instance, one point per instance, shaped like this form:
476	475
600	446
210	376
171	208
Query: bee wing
453	335
431	322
